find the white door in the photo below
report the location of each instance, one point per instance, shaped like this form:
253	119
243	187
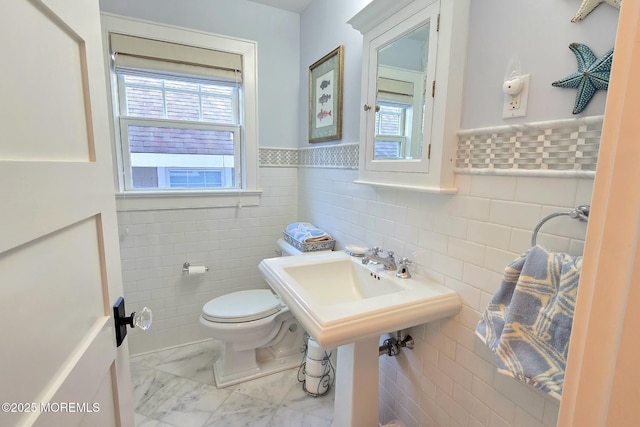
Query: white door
59	255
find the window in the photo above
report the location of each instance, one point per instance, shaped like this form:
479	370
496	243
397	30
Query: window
175	122
184	110
390	118
393	122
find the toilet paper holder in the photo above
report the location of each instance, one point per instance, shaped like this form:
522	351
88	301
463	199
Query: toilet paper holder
186	265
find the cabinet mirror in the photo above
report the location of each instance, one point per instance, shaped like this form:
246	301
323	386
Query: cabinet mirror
400	95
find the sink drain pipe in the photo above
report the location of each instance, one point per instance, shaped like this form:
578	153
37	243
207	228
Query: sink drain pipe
392	346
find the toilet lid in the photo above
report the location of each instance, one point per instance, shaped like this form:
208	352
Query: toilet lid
241	306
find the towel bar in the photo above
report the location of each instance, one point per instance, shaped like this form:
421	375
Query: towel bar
581	213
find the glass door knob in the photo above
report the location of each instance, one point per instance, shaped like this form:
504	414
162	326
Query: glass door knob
142	319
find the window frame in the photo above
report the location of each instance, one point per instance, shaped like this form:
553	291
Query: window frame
402	118
399	139
125	121
249	193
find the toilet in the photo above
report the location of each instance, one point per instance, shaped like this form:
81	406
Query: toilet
257	333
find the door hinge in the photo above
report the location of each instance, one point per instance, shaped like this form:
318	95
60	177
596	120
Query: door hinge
433	89
429	152
438	23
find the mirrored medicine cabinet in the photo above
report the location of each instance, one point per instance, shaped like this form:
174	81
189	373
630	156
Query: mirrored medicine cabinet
412	76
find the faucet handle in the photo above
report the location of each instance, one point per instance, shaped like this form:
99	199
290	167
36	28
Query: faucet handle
375	250
403	269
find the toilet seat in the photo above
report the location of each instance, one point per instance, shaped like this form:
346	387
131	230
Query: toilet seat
242	306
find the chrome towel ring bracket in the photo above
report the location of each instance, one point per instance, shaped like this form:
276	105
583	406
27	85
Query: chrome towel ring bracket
580	213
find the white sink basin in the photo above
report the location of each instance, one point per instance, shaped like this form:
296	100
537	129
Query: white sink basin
339	301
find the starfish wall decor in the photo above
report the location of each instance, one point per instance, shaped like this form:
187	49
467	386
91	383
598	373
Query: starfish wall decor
592	75
588	6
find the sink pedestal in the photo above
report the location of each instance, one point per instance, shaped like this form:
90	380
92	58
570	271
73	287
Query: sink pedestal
356	394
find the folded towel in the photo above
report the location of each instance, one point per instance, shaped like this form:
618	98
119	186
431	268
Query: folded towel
304	232
294	226
528	321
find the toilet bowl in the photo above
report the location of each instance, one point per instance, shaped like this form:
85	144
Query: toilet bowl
257	333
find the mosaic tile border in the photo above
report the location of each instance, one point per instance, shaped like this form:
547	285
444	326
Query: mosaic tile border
342	156
559	147
278	157
566	147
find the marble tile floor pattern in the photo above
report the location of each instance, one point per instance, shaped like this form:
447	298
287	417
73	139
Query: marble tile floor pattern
176	388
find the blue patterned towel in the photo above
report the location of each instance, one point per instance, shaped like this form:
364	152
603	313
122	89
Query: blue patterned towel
528	321
304	232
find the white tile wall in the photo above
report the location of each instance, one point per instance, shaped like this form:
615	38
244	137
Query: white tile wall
230	241
465	240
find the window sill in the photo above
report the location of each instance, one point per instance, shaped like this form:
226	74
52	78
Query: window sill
164	200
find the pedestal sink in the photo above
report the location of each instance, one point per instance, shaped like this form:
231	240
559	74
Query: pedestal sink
345	304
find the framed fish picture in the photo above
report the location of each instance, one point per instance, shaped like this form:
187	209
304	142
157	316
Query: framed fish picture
325	97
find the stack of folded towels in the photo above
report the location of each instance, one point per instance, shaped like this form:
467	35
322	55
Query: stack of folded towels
304	232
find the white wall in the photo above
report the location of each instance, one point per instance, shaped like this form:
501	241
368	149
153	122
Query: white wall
467	239
464	241
538	33
277	33
323	28
230	241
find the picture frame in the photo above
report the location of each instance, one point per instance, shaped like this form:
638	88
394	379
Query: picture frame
325	97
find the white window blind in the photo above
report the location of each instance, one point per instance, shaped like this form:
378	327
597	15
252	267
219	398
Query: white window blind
395	90
137	52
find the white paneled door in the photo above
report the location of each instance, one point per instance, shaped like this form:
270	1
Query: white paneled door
59	256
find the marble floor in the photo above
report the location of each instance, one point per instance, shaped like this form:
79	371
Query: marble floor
175	388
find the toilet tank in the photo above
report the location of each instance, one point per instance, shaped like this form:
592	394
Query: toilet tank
285	249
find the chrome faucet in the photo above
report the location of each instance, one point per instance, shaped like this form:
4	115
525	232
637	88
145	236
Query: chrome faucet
388	262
